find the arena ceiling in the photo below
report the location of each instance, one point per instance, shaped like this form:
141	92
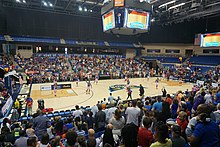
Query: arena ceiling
164	11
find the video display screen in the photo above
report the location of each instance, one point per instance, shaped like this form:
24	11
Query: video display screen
108	20
136	19
210	40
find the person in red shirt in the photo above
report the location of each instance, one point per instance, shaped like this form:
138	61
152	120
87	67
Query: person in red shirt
169	99
182	122
145	136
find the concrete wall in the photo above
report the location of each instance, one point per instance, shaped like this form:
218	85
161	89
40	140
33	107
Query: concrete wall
26	53
130	53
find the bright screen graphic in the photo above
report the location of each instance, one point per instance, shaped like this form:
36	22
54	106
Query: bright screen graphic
210	40
136	19
108	20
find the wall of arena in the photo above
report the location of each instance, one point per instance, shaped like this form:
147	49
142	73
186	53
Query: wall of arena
176	49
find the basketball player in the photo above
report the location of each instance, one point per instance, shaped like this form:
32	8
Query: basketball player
96	79
77	80
157	83
89	86
55	86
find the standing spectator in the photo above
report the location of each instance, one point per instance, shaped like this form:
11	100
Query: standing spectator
44	142
77	112
169	99
217	97
22	141
199	99
100	118
91	142
29	103
145	136
164	92
174	108
90	120
40	124
108	137
118	122
17	107
157	105
129	135
32	142
94	110
111	98
133	113
110	113
177	139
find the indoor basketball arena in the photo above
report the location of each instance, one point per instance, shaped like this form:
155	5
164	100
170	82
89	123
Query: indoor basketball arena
109	73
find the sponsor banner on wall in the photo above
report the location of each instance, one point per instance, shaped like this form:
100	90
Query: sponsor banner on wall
7	105
62	86
121	86
199	83
214	85
46	87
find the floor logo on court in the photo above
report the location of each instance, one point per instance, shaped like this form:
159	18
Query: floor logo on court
120	87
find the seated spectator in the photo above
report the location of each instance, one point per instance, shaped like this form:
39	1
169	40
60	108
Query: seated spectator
182	122
69	123
71	139
145	136
206	132
79	130
161	136
217	114
56	142
177	140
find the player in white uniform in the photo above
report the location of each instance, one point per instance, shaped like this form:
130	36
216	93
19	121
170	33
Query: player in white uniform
96	79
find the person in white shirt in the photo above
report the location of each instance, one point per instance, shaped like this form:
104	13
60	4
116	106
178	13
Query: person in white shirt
77	112
133	113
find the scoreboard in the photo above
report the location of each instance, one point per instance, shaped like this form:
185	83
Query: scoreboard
127	17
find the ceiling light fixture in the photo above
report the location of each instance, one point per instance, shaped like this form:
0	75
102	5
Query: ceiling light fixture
167	3
181	4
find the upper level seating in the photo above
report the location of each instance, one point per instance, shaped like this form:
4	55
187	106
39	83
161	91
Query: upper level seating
164	59
33	39
206	60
